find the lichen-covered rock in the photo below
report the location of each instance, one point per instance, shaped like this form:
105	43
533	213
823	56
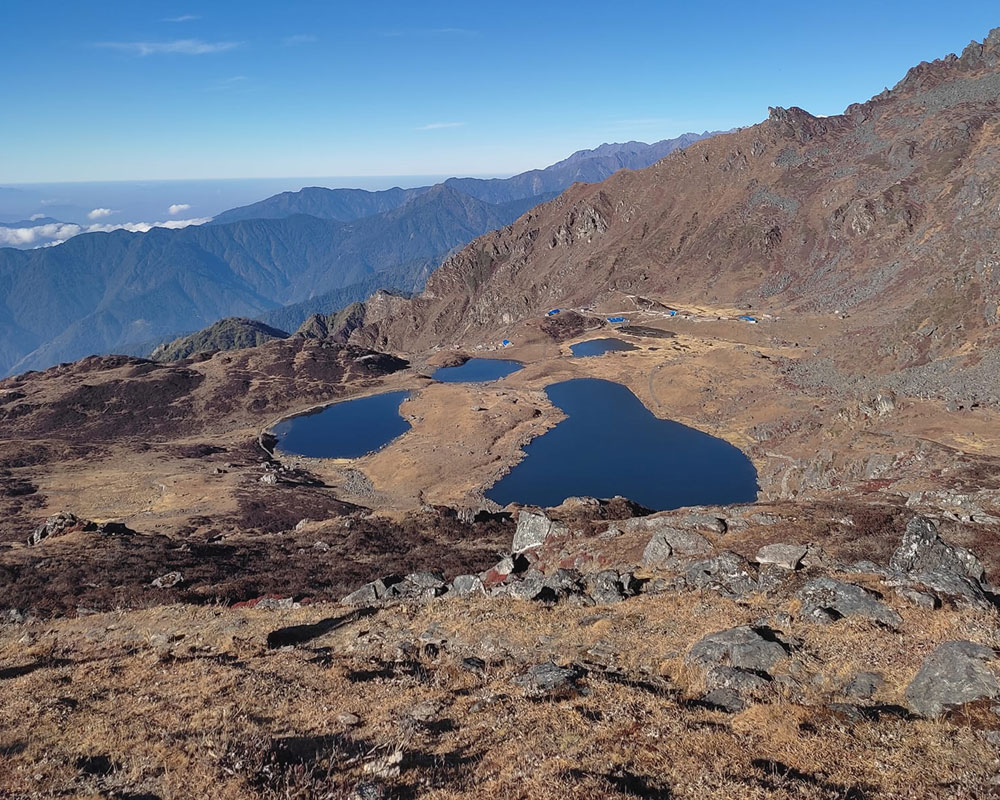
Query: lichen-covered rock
611	586
863	685
954	674
827	600
563	583
465	585
923	551
533	530
744	681
724	699
742	647
918	598
372	592
168	581
59	524
705	521
529	586
668	545
727	573
427	581
926	562
786	556
550	680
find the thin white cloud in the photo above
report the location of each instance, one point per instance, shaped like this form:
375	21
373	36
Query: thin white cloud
33	217
178	208
300	38
182	18
186	47
100	213
227	83
436	126
58	232
430	32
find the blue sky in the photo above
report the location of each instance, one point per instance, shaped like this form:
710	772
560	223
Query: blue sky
126	90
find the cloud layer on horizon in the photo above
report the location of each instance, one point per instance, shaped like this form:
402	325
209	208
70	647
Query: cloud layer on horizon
58	232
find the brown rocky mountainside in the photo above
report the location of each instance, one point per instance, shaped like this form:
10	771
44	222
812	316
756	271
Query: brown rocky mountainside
887	212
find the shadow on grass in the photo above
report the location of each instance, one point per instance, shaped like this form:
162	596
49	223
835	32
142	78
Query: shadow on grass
299	634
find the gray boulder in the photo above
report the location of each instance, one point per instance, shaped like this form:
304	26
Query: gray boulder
727	573
742	647
168	581
549	680
925	560
705	521
960	589
377	590
740	680
59	524
530	586
863	685
786	556
533	585
13	615
918	598
466	585
563	583
955	673
533	530
724	699
430	584
827	600
668	545
611	586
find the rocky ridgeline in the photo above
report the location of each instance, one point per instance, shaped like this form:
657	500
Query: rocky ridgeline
737	664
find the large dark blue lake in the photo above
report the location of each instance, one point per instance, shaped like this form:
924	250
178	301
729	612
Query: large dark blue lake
611	444
477	370
349	429
598	347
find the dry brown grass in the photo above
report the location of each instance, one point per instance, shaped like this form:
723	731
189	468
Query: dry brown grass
184	702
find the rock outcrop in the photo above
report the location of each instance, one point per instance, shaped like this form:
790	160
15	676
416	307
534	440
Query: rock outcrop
954	674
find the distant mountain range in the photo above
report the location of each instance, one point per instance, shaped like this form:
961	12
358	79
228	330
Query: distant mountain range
587	166
279	260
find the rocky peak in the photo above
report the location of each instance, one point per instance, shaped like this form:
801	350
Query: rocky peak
797	123
977	56
986	53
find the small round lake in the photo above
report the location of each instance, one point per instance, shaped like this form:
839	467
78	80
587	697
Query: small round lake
598	347
477	370
611	444
349	429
